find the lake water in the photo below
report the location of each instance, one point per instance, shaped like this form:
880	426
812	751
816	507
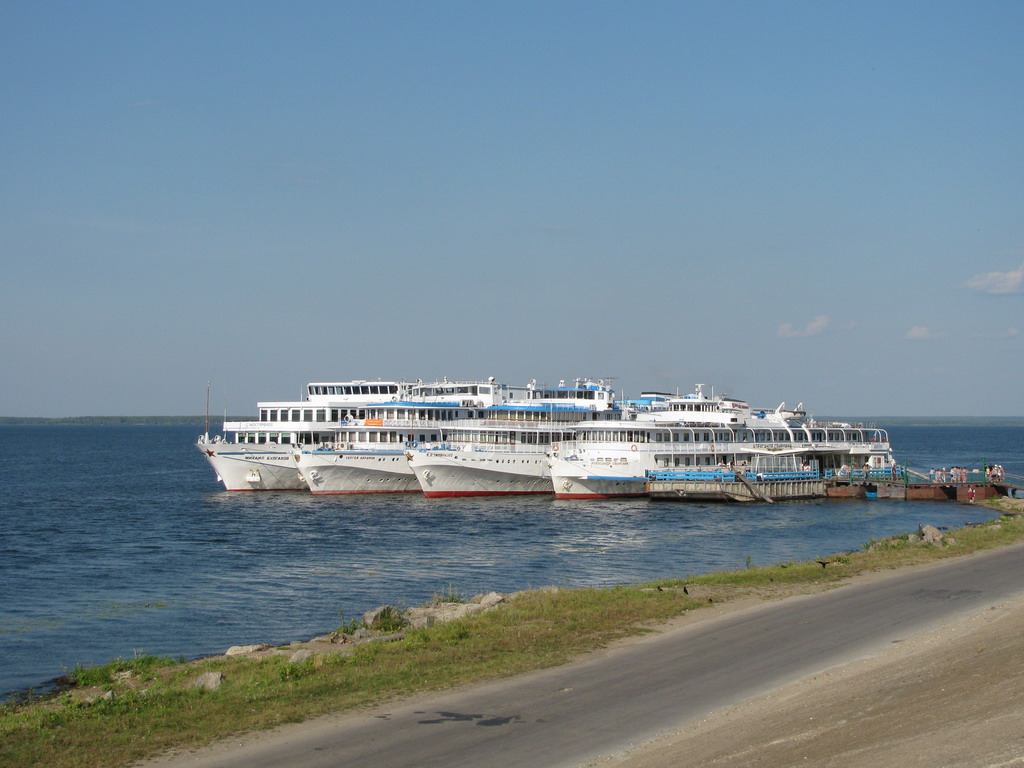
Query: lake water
117	541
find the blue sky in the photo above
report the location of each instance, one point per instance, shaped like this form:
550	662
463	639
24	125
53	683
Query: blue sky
800	201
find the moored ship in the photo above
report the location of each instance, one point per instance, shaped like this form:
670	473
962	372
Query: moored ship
699	432
368	455
257	455
504	449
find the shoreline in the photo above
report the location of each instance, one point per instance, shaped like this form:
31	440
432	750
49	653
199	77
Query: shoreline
947	695
62	683
325	642
463	651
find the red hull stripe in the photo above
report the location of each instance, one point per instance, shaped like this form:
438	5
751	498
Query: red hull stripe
346	493
450	494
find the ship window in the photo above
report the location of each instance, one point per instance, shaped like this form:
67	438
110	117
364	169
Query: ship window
284	415
295	414
307	415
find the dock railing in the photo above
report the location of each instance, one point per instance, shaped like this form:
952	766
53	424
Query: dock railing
949	477
729	476
909	476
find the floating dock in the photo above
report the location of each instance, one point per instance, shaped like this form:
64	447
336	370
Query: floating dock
696	490
735	486
768	487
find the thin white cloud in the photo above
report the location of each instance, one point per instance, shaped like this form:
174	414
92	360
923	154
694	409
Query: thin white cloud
813	328
999	282
921	333
1009	333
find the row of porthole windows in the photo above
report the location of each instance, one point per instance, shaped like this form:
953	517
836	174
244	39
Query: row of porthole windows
508	438
759	436
423	414
308	414
387	437
353	389
283	438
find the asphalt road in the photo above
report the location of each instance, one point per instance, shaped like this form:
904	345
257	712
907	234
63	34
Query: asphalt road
600	706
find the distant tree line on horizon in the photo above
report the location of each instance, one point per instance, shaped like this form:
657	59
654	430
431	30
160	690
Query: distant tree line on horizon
123	421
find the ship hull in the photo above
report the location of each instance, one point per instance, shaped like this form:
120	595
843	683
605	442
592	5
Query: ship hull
242	467
343	472
572	478
480	473
567	487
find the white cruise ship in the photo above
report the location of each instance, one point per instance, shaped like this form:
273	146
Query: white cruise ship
504	449
698	431
257	455
368	455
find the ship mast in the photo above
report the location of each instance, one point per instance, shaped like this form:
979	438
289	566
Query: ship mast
208	411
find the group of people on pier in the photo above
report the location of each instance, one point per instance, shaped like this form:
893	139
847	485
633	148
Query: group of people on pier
959	475
994	472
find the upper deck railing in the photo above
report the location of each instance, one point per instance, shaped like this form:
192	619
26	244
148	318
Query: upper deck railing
730	476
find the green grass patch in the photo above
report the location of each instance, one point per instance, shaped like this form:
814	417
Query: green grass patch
152	705
105	674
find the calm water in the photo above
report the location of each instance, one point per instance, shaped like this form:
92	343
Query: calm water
117	540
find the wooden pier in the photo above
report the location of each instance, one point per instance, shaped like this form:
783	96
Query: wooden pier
917	491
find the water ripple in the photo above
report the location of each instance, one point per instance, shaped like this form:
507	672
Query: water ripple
111	556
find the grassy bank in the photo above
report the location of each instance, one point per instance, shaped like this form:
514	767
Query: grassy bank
130	709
